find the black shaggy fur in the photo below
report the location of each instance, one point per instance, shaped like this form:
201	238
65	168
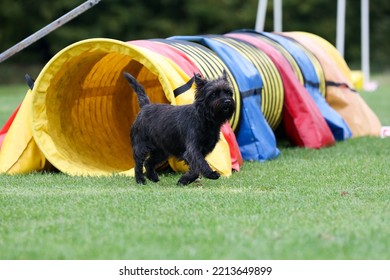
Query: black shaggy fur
188	132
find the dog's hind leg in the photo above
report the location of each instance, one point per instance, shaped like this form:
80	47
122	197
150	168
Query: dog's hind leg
155	158
139	157
139	176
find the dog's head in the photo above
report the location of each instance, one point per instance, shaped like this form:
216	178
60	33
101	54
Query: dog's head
215	98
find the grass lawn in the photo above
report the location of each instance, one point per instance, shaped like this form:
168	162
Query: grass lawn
332	203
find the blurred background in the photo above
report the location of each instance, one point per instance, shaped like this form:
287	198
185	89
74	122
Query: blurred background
133	19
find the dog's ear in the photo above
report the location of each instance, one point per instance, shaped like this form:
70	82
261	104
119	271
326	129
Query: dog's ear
199	80
30	81
224	75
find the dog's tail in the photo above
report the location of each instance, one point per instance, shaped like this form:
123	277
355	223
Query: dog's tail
143	99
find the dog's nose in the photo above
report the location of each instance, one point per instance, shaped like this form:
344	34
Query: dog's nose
227	103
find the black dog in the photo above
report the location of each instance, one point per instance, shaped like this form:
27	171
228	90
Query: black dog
188	132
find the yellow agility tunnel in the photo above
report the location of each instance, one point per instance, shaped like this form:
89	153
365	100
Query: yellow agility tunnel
82	110
81	104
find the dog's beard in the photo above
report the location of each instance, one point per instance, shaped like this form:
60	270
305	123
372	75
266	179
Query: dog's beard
222	109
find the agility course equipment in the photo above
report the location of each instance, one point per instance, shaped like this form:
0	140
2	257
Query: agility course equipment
311	73
340	93
78	115
19	152
48	29
300	115
81	91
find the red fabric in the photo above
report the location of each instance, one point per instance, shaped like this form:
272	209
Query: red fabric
303	122
189	67
5	128
235	153
180	58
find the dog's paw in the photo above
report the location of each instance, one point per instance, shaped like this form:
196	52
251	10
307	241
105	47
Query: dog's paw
153	177
140	180
213	175
183	181
187	179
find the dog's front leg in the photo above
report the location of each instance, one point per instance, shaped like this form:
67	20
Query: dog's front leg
198	165
188	178
214	175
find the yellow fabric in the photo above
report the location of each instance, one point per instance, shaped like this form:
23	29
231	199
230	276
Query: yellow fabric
79	116
19	152
357	79
332	52
350	105
219	159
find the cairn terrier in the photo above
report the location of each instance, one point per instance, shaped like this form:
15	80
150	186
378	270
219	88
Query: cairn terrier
187	132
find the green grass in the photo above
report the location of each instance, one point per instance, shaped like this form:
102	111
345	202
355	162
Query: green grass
10	98
332	203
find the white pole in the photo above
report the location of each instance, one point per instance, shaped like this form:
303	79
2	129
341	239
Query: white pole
278	15
340	32
260	18
365	37
47	29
